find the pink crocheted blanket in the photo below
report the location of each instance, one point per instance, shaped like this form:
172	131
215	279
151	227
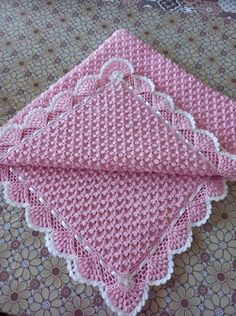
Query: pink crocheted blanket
116	163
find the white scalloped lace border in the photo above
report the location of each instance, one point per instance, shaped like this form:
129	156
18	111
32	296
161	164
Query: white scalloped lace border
71	259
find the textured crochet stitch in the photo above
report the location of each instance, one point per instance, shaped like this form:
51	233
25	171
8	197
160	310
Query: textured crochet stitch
117	162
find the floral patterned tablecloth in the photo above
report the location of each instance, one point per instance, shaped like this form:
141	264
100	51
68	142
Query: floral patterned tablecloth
223	8
39	42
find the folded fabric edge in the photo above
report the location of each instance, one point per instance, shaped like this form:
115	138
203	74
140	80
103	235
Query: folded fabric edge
52	249
71	259
22	112
27	109
142	84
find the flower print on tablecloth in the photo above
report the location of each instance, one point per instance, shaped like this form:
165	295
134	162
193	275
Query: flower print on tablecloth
46	302
14	297
221	277
55	272
25	264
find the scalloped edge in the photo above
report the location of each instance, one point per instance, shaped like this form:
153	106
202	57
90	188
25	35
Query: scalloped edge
173	108
70	259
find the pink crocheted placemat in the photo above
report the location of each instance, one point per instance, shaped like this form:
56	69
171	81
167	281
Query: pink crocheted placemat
116	163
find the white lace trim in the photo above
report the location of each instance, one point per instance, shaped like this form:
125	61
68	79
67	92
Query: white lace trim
72	258
75	274
115	79
185	114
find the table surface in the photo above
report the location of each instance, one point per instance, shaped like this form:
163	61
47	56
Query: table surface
39	43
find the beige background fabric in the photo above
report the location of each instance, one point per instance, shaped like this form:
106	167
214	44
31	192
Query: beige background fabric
223	8
40	41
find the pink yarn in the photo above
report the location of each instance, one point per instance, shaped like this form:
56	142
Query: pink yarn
112	163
